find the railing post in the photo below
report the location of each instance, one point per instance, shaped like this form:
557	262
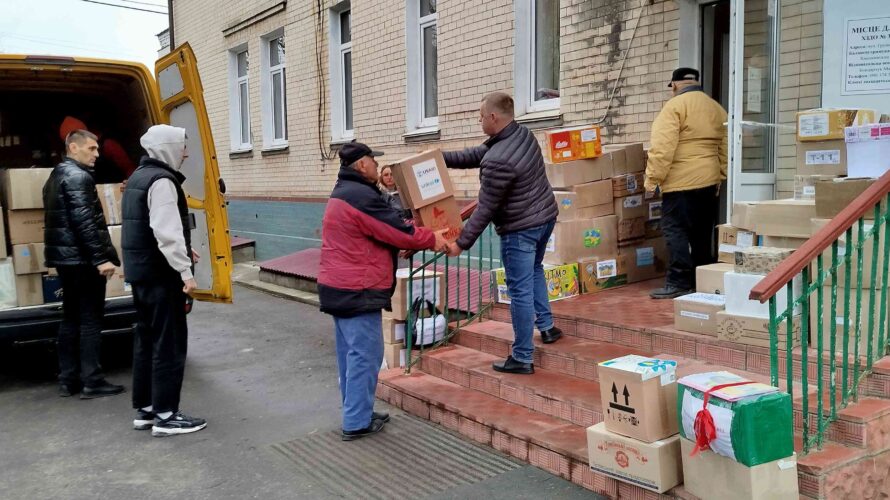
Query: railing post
773	343
804	364
820	351
860	243
833	338
845	347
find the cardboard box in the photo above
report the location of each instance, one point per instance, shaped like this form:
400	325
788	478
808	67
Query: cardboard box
832	196
8	297
569	144
653	209
631	229
24	226
741	216
393	356
653	229
653	466
115	233
645	260
867	253
708	475
868	150
598	274
117	285
730	239
442	214
29	289
567	203
783	217
753	421
634	157
805	186
828	124
110	196
697	312
639	397
738	288
562	282
628	184
28	259
572	241
393	331
565	175
838	319
760	260
592	194
631	207
822	158
783	242
52	289
23	187
709	279
754	331
594	212
428	285
423	179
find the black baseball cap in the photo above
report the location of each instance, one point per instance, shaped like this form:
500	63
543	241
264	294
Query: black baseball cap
681	74
352	152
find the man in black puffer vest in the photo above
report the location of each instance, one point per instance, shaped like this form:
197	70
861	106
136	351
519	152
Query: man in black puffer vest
77	244
158	263
516	196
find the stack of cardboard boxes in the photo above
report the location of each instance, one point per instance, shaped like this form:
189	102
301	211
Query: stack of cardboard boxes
425	286
425	188
24	278
607	227
752	456
637	441
821	145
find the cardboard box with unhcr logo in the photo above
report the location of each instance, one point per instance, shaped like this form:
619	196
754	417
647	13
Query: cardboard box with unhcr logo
425	188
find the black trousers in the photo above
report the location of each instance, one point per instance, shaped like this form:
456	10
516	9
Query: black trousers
80	333
159	345
688	219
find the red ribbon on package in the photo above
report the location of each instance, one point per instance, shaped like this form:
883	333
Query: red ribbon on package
705	430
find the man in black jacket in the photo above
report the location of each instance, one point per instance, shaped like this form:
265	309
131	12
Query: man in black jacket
515	195
78	245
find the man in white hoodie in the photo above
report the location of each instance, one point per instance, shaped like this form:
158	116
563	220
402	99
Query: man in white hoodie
158	263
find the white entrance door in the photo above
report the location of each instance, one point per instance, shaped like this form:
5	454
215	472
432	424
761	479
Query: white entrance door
752	107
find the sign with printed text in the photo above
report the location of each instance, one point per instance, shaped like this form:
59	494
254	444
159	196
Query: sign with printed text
866	56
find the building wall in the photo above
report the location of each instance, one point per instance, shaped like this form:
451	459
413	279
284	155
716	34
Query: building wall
475	51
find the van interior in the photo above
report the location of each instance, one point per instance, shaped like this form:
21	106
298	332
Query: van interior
34	104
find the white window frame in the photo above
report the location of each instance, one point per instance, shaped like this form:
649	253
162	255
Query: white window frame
235	118
337	52
269	140
524	63
416	121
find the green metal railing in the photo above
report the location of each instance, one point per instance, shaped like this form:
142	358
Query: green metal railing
458	279
841	359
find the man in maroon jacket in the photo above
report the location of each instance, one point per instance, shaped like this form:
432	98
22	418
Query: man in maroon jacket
361	236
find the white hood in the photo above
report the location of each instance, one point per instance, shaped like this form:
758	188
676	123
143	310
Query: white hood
165	143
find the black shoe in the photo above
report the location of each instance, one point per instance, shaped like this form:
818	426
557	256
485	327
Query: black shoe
552	335
100	391
68	390
178	423
375	427
382	416
510	365
669	292
144	420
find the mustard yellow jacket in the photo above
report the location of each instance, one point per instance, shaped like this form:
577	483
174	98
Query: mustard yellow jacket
688	146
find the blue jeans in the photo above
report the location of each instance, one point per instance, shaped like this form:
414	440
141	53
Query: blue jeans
359	356
523	253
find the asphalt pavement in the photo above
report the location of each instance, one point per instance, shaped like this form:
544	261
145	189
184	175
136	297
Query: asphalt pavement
263	373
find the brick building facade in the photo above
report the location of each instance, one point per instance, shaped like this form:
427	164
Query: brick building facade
615	57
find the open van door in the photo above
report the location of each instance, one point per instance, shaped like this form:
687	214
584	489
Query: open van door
182	105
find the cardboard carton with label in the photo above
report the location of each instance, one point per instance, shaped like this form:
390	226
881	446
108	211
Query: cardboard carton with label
567	203
562	282
427	285
438	215
24	226
829	124
822	158
598	274
423	179
572	241
628	184
22	188
110	196
709	279
730	239
654	466
754	331
868	150
645	260
576	143
709	475
805	186
760	260
639	397
697	312
28	258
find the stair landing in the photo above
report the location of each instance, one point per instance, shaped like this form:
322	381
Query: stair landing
542	419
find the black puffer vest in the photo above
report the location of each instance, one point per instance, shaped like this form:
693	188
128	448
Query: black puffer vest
143	260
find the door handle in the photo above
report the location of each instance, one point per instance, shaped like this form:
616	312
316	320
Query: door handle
222	186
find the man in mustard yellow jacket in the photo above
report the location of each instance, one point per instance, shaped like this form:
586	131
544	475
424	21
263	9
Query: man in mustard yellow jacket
687	163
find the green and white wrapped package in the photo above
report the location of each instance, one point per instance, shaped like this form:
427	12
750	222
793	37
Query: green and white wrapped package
753	421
